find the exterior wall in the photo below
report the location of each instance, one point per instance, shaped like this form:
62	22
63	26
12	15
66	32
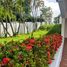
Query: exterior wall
65	28
23	27
62	28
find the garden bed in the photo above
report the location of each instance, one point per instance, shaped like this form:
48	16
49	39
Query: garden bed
31	52
57	57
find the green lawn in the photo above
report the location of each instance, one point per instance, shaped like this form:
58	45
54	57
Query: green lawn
36	34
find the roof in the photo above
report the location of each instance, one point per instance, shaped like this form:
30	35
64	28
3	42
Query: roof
59	0
63	7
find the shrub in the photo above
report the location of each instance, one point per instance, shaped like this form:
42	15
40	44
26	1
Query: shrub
46	27
31	52
55	29
51	28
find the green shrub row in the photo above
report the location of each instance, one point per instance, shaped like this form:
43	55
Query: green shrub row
51	28
55	29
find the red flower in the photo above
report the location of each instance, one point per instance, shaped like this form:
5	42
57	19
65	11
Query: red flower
5	60
49	61
28	47
32	41
47	40
48	53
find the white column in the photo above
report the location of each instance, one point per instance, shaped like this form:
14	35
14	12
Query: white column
63	27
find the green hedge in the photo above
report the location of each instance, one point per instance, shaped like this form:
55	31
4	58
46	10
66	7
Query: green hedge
51	28
46	27
55	29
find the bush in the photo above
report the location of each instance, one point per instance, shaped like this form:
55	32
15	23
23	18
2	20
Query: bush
31	52
32	19
51	28
55	29
46	27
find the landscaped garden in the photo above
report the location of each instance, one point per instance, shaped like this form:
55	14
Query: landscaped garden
36	49
28	36
43	30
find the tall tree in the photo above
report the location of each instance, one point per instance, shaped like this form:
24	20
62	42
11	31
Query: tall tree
36	4
8	14
14	10
46	14
56	19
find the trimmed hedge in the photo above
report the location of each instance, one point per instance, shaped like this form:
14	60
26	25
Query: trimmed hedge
51	28
46	27
55	29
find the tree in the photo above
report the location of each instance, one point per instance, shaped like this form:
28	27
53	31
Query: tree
56	19
46	14
4	14
36	4
17	10
8	13
14	10
1	19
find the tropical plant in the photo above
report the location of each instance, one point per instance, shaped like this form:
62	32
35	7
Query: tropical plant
14	10
46	14
57	19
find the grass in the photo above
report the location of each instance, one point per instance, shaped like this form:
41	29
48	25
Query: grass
21	37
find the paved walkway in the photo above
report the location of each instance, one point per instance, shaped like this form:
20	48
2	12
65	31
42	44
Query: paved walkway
64	55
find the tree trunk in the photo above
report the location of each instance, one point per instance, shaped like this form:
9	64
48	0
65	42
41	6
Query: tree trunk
36	25
18	28
41	23
5	29
12	29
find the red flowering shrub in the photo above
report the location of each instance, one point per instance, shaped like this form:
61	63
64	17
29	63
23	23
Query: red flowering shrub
5	60
47	40
31	52
28	47
32	41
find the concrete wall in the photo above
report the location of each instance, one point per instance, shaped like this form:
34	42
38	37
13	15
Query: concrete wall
15	25
65	28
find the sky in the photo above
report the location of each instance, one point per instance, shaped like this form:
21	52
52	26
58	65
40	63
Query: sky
54	5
